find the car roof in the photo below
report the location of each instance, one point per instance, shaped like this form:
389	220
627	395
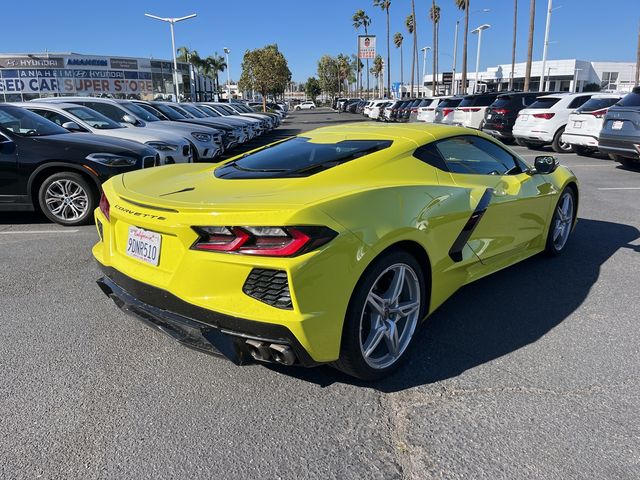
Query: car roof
411	133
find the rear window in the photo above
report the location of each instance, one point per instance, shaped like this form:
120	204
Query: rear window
298	157
502	102
594	104
630	100
467	102
449	103
544	102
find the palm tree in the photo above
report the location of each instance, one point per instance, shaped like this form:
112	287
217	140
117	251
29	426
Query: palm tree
513	48
410	24
384	5
397	41
213	65
532	17
197	63
434	14
376	70
361	19
464	5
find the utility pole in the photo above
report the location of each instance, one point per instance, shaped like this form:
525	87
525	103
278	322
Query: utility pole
546	44
513	48
455	60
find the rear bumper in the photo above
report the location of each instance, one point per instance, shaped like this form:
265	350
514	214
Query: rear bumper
504	134
615	145
195	327
581	140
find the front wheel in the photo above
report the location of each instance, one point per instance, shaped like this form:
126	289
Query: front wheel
561	223
383	314
67	198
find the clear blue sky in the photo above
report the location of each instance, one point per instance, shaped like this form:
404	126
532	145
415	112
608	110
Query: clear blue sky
304	30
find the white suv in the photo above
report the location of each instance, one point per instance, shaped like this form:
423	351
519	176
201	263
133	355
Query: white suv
584	125
470	112
543	123
427	112
371	105
305	106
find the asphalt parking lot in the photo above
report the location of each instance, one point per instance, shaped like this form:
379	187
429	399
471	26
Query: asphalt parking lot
531	373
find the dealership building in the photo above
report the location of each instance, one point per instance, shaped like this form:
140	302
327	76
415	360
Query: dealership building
559	76
30	76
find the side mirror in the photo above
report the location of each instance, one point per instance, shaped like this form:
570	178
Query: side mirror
130	119
545	164
72	126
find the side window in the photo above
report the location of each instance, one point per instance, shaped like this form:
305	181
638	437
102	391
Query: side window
429	154
475	155
53	116
577	102
114	113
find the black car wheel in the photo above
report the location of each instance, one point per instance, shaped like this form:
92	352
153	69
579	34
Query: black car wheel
68	199
385	310
583	151
561	223
521	142
558	145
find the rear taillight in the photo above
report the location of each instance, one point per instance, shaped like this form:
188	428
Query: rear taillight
446	111
414	110
501	111
598	113
104	206
265	241
469	109
546	116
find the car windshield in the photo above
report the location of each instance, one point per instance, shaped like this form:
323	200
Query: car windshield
298	157
209	111
169	112
93	118
193	111
140	112
226	109
594	104
630	100
544	102
153	111
25	123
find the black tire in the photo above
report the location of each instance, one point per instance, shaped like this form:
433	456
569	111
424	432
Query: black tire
521	142
629	163
583	151
551	248
507	140
352	360
49	187
558	145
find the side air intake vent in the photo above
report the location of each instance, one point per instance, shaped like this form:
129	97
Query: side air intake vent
269	286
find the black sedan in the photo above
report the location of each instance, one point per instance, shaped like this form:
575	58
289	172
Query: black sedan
43	166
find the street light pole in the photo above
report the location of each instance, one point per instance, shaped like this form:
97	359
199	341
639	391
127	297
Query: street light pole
172	21
227	52
424	64
479	32
455	60
546	43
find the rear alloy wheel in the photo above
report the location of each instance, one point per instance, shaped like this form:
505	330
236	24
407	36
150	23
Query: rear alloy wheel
561	223
384	312
67	198
558	145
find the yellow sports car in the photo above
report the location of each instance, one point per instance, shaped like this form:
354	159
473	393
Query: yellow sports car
328	247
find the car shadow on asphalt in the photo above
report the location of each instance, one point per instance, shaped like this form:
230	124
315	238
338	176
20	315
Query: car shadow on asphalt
501	313
22	218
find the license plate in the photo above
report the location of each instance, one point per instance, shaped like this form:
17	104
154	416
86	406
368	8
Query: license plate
488	116
577	124
617	125
144	245
524	117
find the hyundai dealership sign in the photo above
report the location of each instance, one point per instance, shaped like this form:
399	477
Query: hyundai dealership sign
74	74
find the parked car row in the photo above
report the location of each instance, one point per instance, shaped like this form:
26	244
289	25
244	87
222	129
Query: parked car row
582	122
56	152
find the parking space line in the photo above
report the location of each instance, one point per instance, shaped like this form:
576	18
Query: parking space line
619	188
26	232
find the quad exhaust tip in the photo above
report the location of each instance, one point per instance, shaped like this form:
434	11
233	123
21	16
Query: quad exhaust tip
271	352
